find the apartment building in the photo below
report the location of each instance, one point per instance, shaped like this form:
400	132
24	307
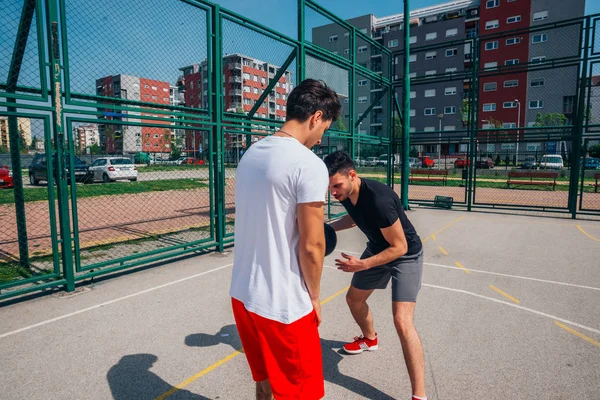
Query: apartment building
123	139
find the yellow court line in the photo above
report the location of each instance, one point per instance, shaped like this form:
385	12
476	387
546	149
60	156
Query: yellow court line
224	360
432	236
459	265
443	251
508	296
580	335
587	234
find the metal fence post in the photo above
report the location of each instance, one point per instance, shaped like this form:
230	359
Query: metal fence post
406	108
579	123
474	124
59	136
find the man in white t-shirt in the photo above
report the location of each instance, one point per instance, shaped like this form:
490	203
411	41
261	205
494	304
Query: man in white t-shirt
280	246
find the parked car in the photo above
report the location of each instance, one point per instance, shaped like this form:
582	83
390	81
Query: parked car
109	169
371	161
462	162
553	161
181	161
6	177
591	163
529	162
38	170
427	162
484	163
414	162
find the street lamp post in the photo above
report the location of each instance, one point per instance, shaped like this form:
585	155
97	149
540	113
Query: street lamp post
518	129
440	116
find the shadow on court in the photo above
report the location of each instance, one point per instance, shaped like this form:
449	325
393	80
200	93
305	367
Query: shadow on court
332	356
132	379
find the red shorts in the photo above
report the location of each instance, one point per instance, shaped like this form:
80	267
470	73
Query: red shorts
288	355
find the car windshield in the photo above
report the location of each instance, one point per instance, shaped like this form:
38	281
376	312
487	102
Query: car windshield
553	159
120	161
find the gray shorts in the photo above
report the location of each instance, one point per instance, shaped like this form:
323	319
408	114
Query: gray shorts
406	271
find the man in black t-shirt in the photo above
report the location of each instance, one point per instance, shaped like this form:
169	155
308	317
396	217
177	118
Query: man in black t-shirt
394	250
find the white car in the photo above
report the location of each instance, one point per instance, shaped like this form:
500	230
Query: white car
552	161
110	169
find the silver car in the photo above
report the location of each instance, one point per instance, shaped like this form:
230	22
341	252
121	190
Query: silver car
110	169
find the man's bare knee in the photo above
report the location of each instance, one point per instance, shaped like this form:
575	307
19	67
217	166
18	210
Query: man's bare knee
404	317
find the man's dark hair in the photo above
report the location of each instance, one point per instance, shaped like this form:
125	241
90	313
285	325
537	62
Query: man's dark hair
339	161
311	96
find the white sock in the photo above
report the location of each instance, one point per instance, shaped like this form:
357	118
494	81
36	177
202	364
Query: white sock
419	398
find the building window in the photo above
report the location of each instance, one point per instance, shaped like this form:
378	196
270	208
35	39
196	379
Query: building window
509	125
430	93
429	129
514	61
430	72
493	64
431	36
346	100
362	49
413	39
413	58
487	107
362	82
536	104
255	78
413	95
540	38
165	90
491	45
451	70
512	20
450	91
540	15
263	81
146	86
346	51
450	110
333	38
362	99
154	97
393	43
449	127
412	75
568	102
154	87
451	52
255	90
246	76
537	82
451	32
511	83
492	3
492	24
155	136
511	41
509	104
429	111
538	60
490	87
430	55
413	113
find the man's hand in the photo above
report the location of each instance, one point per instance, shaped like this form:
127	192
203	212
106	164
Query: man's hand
351	264
317	306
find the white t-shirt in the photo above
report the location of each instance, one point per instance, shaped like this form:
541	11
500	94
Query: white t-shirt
274	175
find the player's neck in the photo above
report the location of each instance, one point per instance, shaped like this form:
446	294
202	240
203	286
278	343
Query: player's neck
356	191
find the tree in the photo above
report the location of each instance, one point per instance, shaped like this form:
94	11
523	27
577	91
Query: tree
3	149
340	126
95	149
464	112
33	144
595	151
550	119
22	141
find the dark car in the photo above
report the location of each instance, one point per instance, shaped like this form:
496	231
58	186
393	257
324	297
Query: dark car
484	163
6	177
38	170
529	162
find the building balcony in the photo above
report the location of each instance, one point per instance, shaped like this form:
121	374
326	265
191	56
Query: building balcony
235	66
235	92
233	79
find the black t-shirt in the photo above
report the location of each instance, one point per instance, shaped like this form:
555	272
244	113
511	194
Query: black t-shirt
378	207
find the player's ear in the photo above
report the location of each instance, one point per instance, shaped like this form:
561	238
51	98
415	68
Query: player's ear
352	174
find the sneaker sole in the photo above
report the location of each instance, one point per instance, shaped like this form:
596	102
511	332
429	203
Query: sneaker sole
372	348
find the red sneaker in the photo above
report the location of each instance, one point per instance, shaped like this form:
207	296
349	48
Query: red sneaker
361	344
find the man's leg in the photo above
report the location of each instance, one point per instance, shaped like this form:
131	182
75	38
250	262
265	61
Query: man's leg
357	301
411	345
263	391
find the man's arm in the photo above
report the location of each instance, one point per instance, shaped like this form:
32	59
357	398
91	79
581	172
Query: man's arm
312	249
345	222
394	235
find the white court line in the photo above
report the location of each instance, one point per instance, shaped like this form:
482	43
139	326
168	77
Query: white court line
110	302
515	306
516	276
499	274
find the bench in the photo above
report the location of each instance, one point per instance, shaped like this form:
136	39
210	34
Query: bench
596	185
520	178
429	175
